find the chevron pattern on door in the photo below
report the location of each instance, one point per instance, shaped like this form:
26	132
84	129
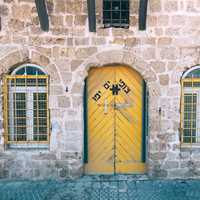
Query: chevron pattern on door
115	101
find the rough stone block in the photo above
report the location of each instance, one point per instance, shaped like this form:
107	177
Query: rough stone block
64	102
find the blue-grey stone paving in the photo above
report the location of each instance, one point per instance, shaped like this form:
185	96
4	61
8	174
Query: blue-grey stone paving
101	188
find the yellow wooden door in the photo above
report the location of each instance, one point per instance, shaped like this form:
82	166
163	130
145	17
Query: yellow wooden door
114	121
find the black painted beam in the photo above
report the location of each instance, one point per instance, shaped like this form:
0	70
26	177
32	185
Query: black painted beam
91	15
142	14
42	14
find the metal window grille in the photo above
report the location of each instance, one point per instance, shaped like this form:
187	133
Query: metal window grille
26	114
116	13
190	111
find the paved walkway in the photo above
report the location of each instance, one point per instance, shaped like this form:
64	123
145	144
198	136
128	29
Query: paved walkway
101	188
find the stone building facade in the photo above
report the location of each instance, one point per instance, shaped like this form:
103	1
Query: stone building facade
169	46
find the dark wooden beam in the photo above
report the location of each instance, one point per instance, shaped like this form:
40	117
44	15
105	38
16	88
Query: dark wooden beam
42	14
142	14
91	15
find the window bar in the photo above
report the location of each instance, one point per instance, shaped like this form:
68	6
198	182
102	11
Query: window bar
191	115
5	107
111	19
15	104
191	104
47	109
120	8
37	109
182	113
16	129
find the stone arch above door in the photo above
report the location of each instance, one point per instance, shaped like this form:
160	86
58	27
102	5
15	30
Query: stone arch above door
122	57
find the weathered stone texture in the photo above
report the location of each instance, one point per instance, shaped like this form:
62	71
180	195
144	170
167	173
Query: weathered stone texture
169	46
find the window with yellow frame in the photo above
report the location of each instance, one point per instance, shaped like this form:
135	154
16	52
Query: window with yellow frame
26	113
190	107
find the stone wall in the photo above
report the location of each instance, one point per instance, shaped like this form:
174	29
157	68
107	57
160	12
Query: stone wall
169	46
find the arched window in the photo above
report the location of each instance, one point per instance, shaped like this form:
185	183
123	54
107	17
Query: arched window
190	106
26	112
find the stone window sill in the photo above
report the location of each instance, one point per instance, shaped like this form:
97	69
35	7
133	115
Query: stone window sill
28	146
190	146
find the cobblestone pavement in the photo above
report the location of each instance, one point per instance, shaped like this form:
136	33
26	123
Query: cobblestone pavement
101	188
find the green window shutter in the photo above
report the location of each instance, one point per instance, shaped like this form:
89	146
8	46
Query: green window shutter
85	117
91	15
42	14
145	125
143	14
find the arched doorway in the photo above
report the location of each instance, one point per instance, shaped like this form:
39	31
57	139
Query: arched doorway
115	121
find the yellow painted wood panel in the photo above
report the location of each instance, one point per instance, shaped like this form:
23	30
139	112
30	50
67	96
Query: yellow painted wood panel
114	121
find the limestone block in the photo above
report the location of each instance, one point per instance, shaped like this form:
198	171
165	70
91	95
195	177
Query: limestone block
16	25
133	20
60	6
158	155
81	41
4	10
63	64
169	53
41	59
155	5
56	90
179	20
56	20
21	12
163	20
67	52
50	6
85	52
164	79
80	20
77	88
149	53
171	165
170	6
63	102
74	7
52	72
107	57
69	20
181	173
171	31
164	41
73	125
66	77
158	66
44	156
75	64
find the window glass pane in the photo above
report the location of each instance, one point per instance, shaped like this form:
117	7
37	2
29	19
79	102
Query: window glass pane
116	13
29	70
125	15
189	122
107	15
40	116
27	109
106	5
124	5
116	5
19	109
21	71
194	74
